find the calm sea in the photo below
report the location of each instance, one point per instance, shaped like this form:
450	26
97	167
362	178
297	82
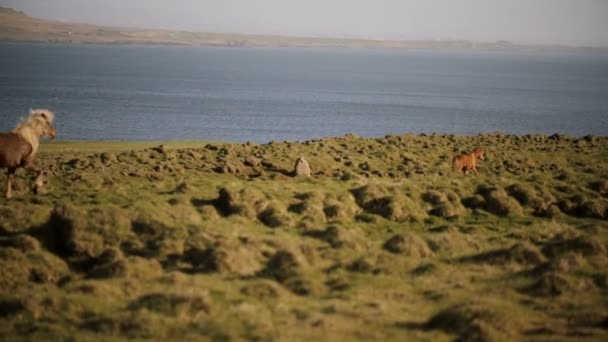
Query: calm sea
262	94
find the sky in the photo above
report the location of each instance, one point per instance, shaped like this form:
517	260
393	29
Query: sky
567	22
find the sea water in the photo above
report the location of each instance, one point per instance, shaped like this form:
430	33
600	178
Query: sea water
133	92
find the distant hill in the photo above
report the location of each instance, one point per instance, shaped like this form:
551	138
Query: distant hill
17	26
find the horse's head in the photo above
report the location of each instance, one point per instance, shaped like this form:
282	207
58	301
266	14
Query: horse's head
44	119
478	153
51	132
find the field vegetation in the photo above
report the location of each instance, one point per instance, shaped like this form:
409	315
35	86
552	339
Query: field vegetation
220	241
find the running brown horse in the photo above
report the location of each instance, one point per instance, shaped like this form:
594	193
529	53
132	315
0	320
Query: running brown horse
467	161
18	148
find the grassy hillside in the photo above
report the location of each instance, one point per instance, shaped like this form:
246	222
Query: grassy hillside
195	241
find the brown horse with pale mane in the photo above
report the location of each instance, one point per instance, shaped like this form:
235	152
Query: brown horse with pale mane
18	148
467	161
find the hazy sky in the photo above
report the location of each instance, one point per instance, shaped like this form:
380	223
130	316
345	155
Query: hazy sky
572	22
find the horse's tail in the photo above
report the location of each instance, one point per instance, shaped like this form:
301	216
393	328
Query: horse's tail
455	164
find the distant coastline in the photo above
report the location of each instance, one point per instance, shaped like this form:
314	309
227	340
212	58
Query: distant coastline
16	26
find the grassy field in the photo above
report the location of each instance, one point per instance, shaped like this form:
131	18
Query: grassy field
196	240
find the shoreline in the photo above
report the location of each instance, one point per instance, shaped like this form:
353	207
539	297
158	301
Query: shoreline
481	47
58	145
17	26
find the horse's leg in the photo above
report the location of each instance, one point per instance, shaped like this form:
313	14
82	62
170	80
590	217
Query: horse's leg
9	182
39	182
39	178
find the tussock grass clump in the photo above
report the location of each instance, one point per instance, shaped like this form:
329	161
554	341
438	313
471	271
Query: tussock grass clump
539	201
596	208
434	197
139	324
18	219
23	242
480	320
310	208
285	264
552	284
589	246
263	290
567	262
600	186
408	244
363	264
111	263
522	253
475	201
292	268
190	307
583	206
341	237
449	240
225	257
11	306
18	268
275	215
156	239
388	202
498	202
446	203
338	207
81	233
244	201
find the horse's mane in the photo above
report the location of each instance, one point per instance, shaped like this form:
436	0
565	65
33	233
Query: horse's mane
32	127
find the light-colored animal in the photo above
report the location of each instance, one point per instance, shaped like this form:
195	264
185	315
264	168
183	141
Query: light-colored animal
18	148
301	168
467	161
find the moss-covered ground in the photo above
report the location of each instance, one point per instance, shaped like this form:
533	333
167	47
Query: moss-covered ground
195	241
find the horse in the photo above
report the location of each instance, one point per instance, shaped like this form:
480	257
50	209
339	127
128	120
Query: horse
18	148
467	161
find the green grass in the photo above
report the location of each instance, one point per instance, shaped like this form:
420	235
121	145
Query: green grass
113	146
131	241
